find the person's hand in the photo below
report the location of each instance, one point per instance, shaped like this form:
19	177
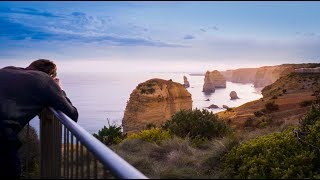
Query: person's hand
57	80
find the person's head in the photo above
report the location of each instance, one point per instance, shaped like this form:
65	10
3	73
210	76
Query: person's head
45	66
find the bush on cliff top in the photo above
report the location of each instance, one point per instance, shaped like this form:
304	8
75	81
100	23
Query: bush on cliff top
279	155
196	124
110	135
151	135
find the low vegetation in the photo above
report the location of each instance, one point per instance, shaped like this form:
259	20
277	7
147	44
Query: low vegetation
175	151
292	153
29	152
110	135
151	135
306	103
271	106
196	124
147	88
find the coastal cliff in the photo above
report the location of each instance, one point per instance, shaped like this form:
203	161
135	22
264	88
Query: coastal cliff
154	102
284	102
242	75
213	80
266	75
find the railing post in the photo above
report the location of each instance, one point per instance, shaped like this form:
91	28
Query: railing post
50	145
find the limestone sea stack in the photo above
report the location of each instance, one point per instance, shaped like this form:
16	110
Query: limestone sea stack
154	102
225	106
186	82
213	106
213	80
233	95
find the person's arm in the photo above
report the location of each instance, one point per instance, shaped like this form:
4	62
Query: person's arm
59	100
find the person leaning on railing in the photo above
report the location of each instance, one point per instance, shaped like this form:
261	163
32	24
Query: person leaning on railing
24	93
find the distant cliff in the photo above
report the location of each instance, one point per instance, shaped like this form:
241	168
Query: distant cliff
265	75
242	75
154	102
292	94
213	80
308	70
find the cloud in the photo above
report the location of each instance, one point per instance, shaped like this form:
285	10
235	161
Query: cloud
306	34
214	28
203	30
16	31
188	36
309	34
33	24
27	11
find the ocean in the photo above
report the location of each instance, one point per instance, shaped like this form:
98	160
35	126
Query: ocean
102	97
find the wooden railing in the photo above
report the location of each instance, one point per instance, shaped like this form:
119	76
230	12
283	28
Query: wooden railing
69	151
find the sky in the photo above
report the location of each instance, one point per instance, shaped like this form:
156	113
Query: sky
190	36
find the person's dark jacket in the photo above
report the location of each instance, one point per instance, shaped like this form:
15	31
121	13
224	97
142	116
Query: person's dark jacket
24	94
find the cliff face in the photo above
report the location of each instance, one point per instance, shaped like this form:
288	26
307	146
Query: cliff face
242	75
213	80
154	101
308	70
292	93
265	75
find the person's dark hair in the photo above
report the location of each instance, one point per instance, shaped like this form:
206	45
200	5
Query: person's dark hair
45	66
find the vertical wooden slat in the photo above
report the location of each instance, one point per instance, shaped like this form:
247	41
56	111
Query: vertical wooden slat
49	151
82	161
52	158
71	164
67	153
58	147
77	158
28	151
105	174
95	168
88	164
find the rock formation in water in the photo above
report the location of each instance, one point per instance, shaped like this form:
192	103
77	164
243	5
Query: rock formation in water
233	95
213	80
154	102
186	82
225	106
213	106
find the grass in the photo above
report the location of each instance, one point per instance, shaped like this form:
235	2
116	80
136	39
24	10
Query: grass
175	158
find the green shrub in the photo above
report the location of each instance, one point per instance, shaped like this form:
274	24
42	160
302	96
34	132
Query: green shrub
274	97
151	135
143	91
305	103
196	124
151	90
150	126
147	91
278	155
310	118
110	135
29	152
258	113
258	122
150	84
271	106
229	109
293	153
